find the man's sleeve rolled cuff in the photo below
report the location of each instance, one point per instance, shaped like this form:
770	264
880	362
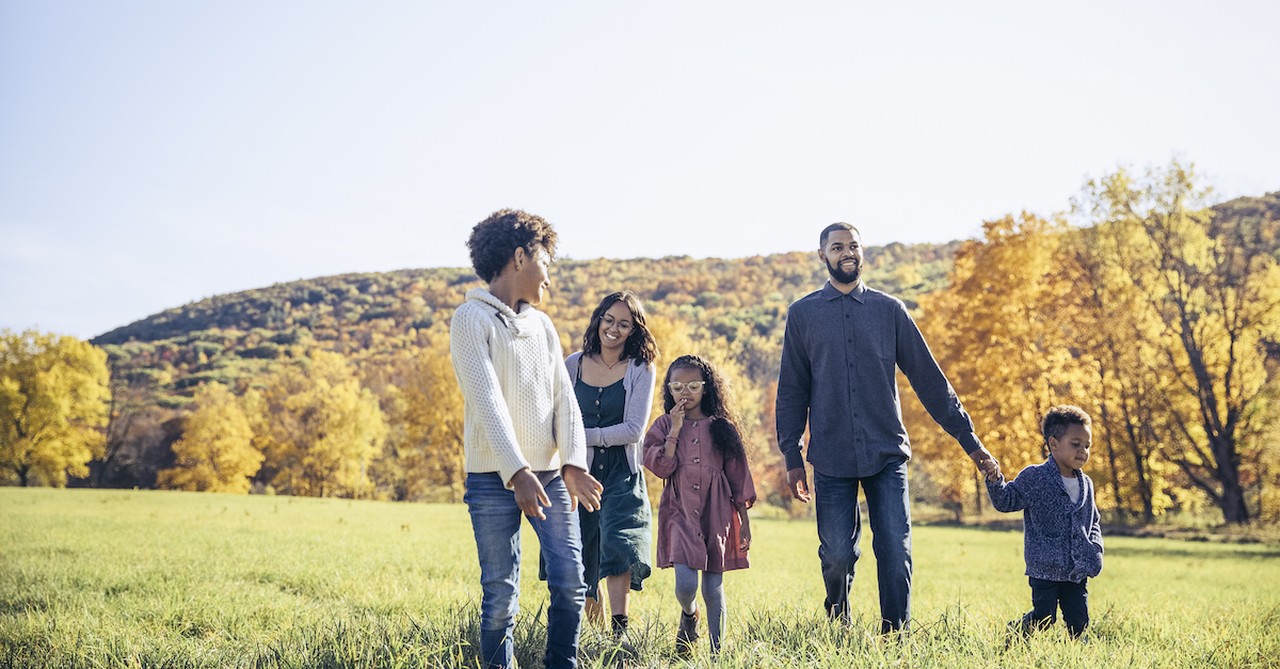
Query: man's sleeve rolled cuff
793	458
969	442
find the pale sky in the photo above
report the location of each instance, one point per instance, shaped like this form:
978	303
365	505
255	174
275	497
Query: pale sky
155	153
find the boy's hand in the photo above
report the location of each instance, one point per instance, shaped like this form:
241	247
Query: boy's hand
530	496
583	488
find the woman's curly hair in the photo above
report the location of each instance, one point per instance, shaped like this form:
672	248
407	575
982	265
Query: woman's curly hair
495	239
725	436
640	345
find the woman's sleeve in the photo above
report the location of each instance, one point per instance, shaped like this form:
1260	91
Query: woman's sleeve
655	457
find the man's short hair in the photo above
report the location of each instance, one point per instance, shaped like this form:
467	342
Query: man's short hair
495	239
826	232
1058	419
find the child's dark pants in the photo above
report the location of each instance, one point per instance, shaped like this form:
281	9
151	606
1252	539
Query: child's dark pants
1047	596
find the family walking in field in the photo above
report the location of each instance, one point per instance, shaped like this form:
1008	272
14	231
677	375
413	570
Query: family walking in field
562	442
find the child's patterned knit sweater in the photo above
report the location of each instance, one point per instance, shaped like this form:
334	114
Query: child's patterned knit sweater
1063	540
520	410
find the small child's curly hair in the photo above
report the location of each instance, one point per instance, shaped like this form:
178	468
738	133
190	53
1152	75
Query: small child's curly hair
1058	418
495	239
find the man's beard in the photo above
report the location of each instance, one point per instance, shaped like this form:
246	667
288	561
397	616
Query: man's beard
841	276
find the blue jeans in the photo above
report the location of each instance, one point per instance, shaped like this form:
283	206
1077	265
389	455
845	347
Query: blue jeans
495	519
840	531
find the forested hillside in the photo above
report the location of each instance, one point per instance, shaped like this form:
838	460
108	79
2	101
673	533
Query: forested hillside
1160	317
387	326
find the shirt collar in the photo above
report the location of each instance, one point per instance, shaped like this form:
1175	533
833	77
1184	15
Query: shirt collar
859	291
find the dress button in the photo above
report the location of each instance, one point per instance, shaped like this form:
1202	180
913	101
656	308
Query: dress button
697	511
697	460
695	440
697	487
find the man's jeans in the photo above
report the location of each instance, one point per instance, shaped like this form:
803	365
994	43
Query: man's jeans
840	531
495	519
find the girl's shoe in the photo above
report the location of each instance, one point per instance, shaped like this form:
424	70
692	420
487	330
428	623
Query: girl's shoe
687	635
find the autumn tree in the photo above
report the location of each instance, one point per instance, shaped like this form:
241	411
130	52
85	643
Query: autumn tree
317	426
422	457
995	331
1213	284
215	453
53	406
1114	338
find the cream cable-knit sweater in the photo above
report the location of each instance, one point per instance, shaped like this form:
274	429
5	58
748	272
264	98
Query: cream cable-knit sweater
519	406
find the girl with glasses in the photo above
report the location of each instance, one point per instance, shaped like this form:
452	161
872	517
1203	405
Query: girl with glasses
697	450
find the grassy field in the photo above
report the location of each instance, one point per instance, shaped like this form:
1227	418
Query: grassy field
97	578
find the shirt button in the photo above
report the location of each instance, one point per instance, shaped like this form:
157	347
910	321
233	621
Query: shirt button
695	440
697	460
697	487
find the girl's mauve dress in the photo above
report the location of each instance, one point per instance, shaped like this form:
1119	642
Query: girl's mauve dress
698	521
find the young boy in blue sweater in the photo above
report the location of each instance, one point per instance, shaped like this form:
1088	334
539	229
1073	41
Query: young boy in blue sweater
1062	533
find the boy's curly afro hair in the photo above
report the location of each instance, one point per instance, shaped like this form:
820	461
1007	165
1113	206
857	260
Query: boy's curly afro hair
495	239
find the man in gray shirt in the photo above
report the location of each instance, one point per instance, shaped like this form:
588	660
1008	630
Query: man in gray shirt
839	353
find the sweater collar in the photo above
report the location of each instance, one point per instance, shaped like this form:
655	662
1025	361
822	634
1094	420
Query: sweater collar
521	323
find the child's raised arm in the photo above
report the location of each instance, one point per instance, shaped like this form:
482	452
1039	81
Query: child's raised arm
1006	496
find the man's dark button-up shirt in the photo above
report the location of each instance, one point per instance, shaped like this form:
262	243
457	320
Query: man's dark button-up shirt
838	359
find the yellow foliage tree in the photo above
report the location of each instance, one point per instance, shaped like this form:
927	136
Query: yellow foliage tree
215	453
1115	339
996	333
1214	289
54	393
422	458
318	428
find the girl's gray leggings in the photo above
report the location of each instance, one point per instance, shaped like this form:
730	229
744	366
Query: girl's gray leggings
712	596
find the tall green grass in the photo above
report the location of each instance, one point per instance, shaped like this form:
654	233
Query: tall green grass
96	578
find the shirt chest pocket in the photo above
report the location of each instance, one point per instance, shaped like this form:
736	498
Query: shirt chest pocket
872	336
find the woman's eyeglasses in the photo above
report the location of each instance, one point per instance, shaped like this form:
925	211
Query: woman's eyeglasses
609	321
693	386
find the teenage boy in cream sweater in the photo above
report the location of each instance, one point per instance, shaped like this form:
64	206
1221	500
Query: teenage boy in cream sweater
523	435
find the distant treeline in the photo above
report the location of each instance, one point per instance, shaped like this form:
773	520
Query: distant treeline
1160	317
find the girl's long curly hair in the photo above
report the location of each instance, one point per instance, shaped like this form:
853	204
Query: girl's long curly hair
725	436
640	347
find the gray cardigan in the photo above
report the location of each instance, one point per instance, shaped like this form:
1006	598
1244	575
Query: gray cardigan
637	383
1063	540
